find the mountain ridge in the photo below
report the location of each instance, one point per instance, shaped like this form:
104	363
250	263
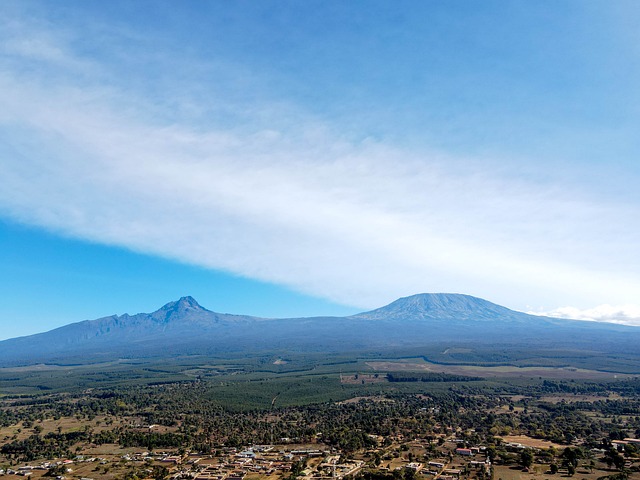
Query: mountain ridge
184	326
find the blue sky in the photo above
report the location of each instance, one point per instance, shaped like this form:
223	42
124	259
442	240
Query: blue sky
299	158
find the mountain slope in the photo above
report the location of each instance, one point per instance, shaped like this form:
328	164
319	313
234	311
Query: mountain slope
178	322
180	317
443	306
184	327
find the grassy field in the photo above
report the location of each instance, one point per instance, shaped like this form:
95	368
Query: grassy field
502	371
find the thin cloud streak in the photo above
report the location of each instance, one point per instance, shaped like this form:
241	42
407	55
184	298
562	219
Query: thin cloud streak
620	314
359	222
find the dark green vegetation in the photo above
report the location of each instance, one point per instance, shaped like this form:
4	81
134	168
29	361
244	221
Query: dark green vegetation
252	408
380	418
300	378
429	377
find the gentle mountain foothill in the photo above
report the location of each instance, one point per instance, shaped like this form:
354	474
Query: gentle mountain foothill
184	327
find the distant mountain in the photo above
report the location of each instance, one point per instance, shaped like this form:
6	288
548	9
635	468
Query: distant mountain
444	306
175	324
184	327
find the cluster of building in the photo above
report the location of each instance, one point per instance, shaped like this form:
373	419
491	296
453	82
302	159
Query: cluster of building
29	470
266	461
311	462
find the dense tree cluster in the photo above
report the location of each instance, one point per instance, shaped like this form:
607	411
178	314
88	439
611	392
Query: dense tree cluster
430	377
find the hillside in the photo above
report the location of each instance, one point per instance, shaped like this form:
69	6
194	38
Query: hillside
183	327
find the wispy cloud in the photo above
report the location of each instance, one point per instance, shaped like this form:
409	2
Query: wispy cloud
621	314
291	200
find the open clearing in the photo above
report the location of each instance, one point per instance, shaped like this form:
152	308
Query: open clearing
362	378
493	372
531	442
579	398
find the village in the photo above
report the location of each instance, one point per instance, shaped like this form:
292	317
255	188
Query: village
176	432
265	461
444	458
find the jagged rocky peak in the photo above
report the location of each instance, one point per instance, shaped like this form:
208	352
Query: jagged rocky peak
183	302
188	302
178	309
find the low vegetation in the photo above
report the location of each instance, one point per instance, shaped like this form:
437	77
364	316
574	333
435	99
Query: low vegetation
149	420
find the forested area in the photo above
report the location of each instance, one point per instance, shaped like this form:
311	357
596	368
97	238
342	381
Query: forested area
192	419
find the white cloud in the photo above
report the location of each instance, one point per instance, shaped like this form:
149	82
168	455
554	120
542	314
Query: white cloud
294	202
621	314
